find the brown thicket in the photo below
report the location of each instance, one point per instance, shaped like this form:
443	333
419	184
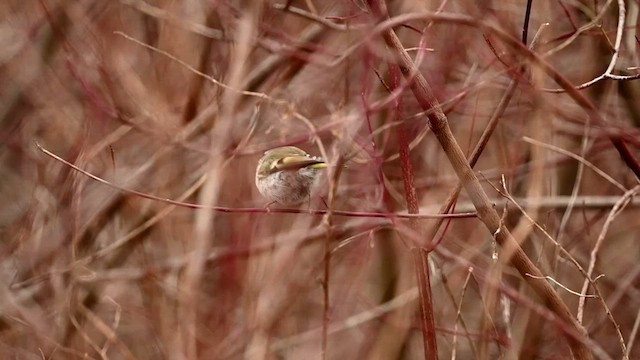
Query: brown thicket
481	201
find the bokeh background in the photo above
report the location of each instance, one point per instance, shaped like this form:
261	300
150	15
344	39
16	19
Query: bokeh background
179	99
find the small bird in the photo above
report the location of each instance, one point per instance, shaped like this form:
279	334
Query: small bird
287	174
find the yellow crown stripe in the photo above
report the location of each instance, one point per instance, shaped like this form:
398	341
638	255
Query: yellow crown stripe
294	160
318	166
298	162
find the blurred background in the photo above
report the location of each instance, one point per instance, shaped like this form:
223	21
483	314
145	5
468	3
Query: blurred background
179	99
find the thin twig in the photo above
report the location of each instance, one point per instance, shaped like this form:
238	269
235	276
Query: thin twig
614	57
516	295
484	140
439	124
328	221
615	211
351	322
252	210
562	286
634	333
577	265
592	111
458	313
582	160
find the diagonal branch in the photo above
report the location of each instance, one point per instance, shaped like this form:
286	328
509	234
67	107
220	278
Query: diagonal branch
510	248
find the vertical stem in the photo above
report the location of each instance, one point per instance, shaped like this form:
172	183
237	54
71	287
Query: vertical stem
420	258
325	289
328	220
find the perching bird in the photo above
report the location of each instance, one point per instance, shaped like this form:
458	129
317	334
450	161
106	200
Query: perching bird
287	174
